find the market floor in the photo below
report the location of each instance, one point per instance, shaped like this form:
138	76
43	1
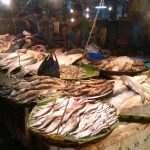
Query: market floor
7	141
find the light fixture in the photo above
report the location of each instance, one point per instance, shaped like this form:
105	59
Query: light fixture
72	20
110	8
87	16
87	9
6	2
71	11
101	7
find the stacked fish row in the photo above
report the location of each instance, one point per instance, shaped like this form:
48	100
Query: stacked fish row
89	88
24	91
31	89
72	116
120	64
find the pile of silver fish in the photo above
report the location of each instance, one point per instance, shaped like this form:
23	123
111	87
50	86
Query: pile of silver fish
28	62
131	91
120	64
72	116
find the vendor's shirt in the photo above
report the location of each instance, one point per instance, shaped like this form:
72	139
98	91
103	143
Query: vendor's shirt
83	26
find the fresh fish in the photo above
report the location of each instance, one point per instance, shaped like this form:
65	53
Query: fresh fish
67	116
26	95
38	123
14	66
42	112
137	87
119	87
83	134
93	107
121	98
29	69
49	119
53	126
70	125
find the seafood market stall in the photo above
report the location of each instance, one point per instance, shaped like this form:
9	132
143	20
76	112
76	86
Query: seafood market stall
67	99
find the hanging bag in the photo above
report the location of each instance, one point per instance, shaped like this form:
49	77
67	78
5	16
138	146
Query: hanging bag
50	67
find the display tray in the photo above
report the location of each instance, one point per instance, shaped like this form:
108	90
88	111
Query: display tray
68	140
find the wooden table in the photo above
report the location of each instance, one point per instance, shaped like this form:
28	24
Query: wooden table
127	136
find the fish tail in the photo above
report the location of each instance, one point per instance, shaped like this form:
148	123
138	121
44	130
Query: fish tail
21	73
9	72
147	95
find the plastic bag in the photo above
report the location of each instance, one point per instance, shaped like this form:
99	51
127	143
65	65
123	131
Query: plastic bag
50	67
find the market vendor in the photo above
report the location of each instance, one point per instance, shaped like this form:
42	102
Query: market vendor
43	26
76	31
23	23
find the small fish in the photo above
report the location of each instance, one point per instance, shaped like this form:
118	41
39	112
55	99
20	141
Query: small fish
53	126
49	119
70	125
38	123
42	112
27	95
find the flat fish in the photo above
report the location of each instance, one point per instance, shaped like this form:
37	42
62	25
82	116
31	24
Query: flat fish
30	69
14	66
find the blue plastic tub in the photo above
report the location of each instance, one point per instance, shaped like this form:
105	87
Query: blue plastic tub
95	56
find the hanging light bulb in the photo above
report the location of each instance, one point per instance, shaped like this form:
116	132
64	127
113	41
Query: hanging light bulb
110	8
71	11
87	15
87	9
72	20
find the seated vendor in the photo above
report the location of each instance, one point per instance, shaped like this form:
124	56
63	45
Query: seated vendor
76	31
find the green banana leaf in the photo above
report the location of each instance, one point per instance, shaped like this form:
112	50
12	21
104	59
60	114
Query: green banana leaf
148	65
136	114
90	72
47	100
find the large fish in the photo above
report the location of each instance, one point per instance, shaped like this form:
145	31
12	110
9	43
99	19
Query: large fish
121	98
16	65
137	87
30	69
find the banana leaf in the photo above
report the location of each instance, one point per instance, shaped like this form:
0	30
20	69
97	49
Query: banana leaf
136	114
90	72
70	140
